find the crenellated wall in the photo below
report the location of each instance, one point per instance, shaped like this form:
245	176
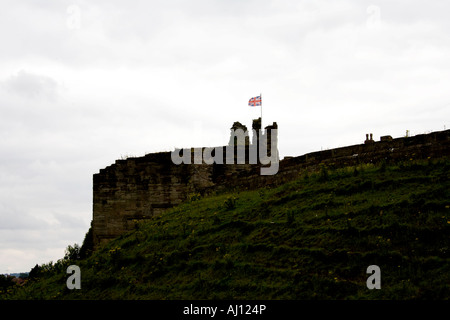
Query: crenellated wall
142	187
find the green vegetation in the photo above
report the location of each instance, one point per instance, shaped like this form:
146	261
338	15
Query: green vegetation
312	238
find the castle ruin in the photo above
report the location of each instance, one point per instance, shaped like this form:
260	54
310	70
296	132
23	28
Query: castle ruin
142	187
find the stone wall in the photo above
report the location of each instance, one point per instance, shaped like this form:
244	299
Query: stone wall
140	188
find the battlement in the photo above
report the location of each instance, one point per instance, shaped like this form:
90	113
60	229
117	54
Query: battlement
142	187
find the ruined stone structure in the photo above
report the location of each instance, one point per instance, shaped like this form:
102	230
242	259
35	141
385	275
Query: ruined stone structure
142	187
369	140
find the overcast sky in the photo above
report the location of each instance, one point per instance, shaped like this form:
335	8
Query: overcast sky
83	83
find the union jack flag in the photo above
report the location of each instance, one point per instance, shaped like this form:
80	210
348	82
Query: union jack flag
255	101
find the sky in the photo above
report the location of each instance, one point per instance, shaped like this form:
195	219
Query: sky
84	83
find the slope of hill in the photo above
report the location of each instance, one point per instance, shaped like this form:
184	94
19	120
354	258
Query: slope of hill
312	238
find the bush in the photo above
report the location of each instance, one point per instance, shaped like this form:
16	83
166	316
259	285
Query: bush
88	245
230	203
383	166
6	281
72	253
324	175
194	197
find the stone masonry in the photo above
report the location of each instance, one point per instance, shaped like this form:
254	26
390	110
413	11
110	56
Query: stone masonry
143	187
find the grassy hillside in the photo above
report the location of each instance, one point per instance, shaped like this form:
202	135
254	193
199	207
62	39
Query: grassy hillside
312	238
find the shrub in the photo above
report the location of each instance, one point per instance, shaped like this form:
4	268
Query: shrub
72	253
88	245
324	175
230	203
194	197
383	166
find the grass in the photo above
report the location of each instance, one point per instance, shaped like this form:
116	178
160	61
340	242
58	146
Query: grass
312	238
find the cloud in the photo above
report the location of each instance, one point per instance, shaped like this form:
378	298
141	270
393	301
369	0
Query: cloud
32	86
16	217
23	259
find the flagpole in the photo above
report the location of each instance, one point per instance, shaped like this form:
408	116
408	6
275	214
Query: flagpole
260	96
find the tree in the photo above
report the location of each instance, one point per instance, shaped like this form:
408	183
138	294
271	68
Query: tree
72	252
34	272
6	282
88	245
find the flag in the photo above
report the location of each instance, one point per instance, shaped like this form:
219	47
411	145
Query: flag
255	101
